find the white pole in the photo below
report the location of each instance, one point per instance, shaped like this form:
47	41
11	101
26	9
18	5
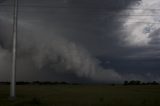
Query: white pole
13	74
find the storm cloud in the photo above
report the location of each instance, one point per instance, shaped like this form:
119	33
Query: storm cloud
74	40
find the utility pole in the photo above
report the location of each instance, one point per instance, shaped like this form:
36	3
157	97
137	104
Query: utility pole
14	50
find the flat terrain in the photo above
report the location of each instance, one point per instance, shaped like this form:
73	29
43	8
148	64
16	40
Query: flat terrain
81	95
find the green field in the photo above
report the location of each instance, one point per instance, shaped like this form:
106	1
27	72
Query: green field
81	95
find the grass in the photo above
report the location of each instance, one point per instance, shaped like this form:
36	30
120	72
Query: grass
81	95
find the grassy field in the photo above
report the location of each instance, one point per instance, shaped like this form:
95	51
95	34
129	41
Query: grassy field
82	95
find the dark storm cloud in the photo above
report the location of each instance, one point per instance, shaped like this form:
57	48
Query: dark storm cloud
2	1
95	21
50	29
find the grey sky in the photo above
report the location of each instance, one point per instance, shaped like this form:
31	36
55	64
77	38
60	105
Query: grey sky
77	35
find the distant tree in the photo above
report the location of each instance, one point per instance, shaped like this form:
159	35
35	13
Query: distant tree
133	82
138	82
65	83
155	83
126	83
36	82
143	83
4	83
22	83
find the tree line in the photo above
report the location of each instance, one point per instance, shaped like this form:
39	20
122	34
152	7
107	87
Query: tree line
40	83
125	83
137	82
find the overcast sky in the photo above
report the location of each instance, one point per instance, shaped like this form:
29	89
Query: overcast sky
82	40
